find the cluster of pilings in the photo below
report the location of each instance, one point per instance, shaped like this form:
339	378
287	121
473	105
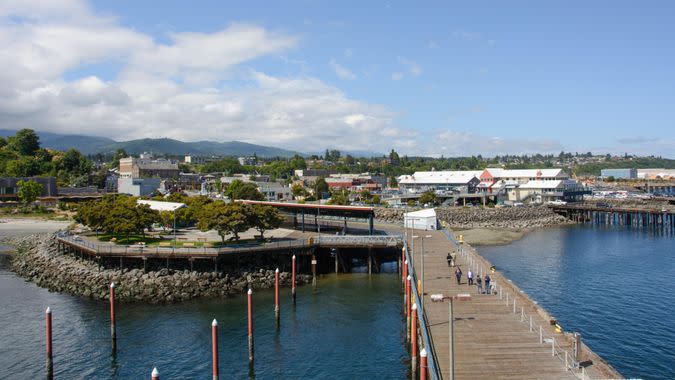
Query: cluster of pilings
49	364
657	221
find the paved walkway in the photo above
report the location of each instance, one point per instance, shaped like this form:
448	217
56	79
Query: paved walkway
491	342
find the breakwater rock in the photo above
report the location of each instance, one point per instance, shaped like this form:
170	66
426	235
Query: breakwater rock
38	261
522	217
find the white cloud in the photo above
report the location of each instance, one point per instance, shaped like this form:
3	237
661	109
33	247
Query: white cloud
179	88
397	76
342	71
412	67
460	143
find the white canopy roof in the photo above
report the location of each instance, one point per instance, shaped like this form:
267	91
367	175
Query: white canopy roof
161	206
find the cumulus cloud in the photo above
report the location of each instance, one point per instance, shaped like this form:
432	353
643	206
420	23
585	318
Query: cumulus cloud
342	71
412	67
460	143
177	88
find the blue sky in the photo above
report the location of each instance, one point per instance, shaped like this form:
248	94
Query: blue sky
436	78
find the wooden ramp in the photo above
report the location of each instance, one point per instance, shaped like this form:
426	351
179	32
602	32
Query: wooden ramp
491	341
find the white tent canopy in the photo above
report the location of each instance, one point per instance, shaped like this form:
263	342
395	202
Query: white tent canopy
161	206
421	220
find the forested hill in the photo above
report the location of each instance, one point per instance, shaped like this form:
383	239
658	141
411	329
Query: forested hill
90	145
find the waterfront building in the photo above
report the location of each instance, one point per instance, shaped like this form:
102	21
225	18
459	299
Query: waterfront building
421	220
630	173
451	181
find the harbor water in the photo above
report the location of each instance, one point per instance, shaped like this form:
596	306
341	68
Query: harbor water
613	284
349	327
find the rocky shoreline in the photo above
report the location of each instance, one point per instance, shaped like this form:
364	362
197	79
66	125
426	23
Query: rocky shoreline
513	218
37	260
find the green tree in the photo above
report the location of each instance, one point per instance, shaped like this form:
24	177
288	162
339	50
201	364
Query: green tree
320	187
340	197
243	190
120	153
298	190
28	191
23	167
428	197
263	218
226	219
26	142
394	158
297	162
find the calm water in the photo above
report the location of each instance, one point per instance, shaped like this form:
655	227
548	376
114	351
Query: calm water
350	327
615	285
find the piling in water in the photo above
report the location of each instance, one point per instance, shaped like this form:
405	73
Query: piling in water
113	328
49	363
277	309
413	339
293	280
313	270
155	374
407	308
250	327
214	348
423	364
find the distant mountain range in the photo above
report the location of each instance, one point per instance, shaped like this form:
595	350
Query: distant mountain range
94	145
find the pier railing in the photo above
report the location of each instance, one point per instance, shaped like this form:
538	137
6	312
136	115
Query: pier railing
432	359
533	320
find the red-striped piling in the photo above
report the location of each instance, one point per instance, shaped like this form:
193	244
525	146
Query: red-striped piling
49	362
113	327
413	339
250	327
277	309
214	348
407	308
293	280
405	283
155	374
423	364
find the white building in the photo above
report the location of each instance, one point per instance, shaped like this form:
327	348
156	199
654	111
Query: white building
421	220
458	181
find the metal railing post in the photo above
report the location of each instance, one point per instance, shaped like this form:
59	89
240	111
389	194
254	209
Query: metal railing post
514	304
552	346
530	323
541	335
522	313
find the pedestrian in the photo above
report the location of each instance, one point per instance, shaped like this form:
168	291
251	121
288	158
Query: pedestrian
479	285
458	274
469	277
449	258
487	283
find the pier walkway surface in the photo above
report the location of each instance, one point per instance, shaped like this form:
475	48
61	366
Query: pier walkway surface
490	339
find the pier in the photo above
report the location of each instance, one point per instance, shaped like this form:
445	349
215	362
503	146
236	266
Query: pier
504	335
658	220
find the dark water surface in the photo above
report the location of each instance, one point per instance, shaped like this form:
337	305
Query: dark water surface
614	284
350	327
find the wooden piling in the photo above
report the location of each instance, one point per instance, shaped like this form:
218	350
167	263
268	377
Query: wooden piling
423	364
250	327
49	362
113	327
277	310
407	308
293	280
314	270
214	348
413	340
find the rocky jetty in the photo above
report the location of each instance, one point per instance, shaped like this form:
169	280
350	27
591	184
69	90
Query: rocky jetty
38	261
523	217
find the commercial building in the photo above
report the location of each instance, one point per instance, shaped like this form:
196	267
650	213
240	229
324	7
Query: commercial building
132	167
630	173
450	181
138	187
656	174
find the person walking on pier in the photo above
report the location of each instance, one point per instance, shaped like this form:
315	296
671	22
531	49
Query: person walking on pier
458	274
479	285
469	277
487	280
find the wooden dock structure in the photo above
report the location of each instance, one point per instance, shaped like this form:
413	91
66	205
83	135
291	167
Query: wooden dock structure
656	219
493	337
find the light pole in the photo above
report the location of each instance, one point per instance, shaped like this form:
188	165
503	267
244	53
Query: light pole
422	267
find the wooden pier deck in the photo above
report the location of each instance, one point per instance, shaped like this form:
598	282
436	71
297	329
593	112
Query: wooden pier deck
491	341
